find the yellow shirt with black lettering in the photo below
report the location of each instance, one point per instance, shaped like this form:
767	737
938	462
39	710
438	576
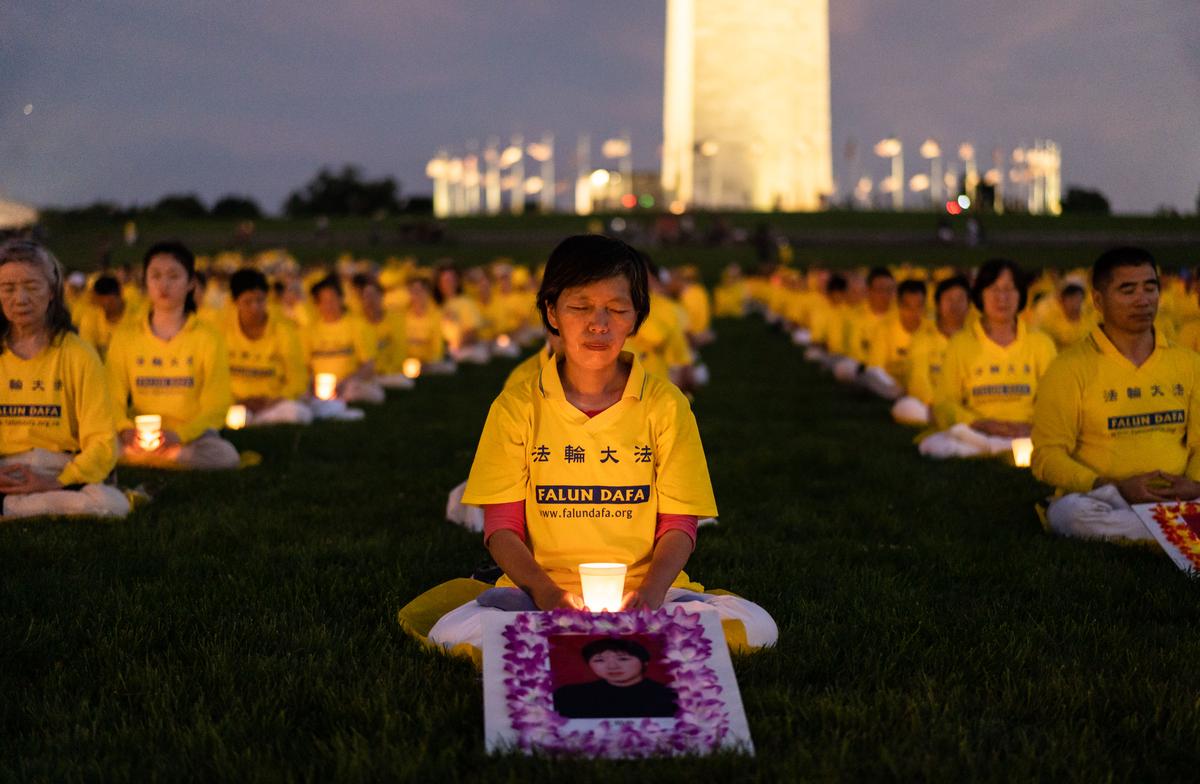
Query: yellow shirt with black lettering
927	353
339	347
391	342
58	400
593	488
1097	415
983	380
97	330
185	379
271	366
891	346
423	332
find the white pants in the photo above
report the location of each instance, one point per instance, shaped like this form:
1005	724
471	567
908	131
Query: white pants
815	354
473	354
962	441
801	337
93	500
443	367
466	515
285	412
1101	514
395	381
910	411
335	409
209	452
845	369
879	381
465	623
358	391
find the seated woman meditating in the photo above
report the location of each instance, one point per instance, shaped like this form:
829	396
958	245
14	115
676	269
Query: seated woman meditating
989	379
57	442
593	425
172	365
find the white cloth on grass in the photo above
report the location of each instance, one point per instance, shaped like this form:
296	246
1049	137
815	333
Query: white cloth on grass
845	369
395	381
464	624
1102	513
285	412
93	500
468	516
962	441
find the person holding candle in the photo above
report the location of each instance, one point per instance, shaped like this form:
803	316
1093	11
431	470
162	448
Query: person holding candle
173	365
423	328
266	363
1117	416
342	344
984	397
57	443
593	460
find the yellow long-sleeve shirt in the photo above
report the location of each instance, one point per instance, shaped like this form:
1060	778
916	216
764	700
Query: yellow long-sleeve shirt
271	366
58	400
339	347
927	353
982	380
891	346
185	380
1097	415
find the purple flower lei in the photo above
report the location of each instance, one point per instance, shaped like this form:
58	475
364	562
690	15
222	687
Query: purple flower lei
700	725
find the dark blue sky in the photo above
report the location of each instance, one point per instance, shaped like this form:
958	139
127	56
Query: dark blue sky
133	99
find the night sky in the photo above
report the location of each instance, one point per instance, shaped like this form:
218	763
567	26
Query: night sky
132	100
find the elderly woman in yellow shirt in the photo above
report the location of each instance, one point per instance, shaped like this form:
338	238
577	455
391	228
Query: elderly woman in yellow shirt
593	460
985	396
57	443
172	365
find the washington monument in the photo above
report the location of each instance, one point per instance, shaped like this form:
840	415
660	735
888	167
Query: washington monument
746	104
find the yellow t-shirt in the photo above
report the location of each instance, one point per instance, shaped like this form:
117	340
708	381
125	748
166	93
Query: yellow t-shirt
270	367
96	330
58	401
424	334
891	346
1064	332
340	347
926	354
593	488
660	342
185	380
729	299
530	367
391	343
1189	335
981	380
831	325
1097	415
863	323
696	303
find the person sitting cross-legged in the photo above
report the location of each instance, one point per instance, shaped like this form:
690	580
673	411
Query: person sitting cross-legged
1117	417
593	422
952	302
985	395
890	357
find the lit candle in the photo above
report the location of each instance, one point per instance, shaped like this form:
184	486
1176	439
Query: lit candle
504	341
149	430
326	386
1022	449
235	419
411	367
603	586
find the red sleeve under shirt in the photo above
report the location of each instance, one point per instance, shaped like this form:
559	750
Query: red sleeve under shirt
511	517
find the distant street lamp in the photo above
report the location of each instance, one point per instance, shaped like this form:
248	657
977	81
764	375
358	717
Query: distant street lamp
932	152
543	153
892	148
966	151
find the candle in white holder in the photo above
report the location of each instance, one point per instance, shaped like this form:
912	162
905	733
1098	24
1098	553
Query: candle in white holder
149	430
411	367
235	419
603	586
1022	449
326	386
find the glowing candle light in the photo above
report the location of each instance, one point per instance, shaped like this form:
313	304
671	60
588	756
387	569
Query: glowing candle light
326	386
504	341
1022	449
149	430
411	368
235	419
603	586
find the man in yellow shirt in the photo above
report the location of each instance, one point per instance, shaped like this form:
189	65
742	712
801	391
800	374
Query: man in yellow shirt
342	344
880	300
829	323
1117	418
928	351
889	355
266	363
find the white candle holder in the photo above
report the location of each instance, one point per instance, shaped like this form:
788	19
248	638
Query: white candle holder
603	586
325	386
1022	449
149	431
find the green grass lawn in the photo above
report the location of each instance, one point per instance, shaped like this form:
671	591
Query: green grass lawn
243	625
